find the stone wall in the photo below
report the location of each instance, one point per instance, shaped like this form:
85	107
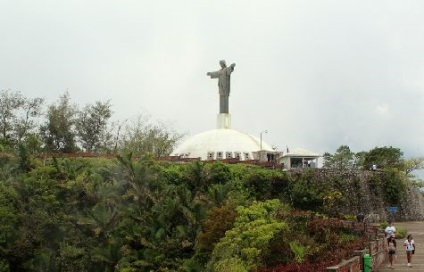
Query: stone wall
413	208
363	196
377	250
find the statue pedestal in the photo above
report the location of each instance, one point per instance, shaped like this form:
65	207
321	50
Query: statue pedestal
223	120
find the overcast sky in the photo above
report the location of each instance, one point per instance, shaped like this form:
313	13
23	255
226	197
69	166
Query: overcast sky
315	74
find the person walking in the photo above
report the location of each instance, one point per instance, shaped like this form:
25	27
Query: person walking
410	248
390	231
391	250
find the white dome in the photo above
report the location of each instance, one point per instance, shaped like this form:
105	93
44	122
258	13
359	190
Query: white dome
221	144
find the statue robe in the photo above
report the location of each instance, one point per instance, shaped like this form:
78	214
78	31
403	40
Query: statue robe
224	78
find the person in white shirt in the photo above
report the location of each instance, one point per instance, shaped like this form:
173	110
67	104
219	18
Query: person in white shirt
410	248
390	231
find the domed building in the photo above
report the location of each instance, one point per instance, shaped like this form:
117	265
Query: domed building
225	143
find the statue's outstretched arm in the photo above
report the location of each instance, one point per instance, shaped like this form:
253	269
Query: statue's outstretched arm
213	74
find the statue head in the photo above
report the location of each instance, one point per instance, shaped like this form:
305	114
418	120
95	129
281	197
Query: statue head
222	63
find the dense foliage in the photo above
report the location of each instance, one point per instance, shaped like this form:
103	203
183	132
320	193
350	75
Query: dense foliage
378	158
131	212
65	127
127	214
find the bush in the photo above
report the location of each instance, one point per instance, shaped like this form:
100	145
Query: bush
401	232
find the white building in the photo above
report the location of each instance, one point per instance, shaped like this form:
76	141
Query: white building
225	143
299	158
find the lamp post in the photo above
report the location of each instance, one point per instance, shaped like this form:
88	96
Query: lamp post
264	131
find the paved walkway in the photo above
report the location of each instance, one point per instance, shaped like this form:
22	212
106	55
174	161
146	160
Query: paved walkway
400	264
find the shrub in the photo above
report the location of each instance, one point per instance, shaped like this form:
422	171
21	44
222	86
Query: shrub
401	232
253	228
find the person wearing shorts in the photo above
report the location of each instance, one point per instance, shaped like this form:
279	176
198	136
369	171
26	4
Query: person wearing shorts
391	250
410	248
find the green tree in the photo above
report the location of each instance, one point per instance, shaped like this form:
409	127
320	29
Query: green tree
383	157
144	137
328	160
25	123
71	258
42	222
165	215
412	164
360	159
305	193
9	217
342	159
10	102
91	126
218	172
58	132
17	116
264	184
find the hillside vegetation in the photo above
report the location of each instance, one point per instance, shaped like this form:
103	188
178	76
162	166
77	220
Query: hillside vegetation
126	214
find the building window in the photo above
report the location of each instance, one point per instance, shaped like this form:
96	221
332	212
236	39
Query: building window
270	157
237	155
219	155
246	156
210	155
229	155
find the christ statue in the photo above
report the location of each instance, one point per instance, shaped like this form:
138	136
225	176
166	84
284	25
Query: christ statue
224	76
